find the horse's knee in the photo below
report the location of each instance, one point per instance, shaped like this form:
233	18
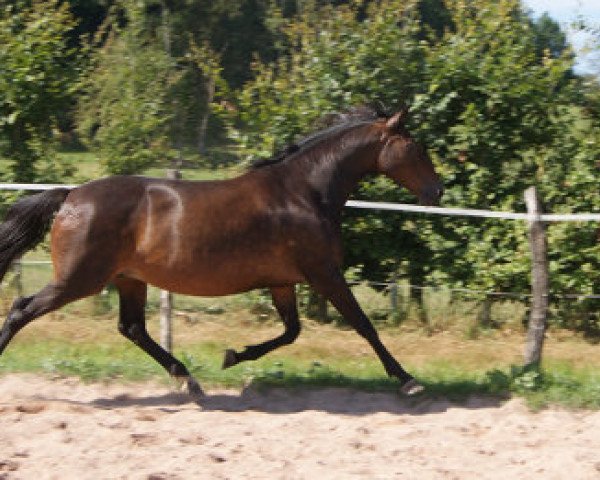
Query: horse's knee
14	322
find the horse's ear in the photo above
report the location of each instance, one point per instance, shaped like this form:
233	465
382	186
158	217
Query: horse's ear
397	119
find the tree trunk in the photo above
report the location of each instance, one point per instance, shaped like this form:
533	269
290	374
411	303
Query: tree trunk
210	87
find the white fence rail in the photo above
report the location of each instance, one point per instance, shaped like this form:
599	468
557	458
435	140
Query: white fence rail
469	212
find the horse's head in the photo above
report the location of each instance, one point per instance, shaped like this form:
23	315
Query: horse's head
407	163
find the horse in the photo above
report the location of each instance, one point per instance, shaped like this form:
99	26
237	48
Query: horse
274	226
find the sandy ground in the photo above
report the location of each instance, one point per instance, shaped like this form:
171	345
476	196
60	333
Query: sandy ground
63	429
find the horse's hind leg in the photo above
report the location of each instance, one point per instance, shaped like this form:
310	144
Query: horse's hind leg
132	324
284	299
26	309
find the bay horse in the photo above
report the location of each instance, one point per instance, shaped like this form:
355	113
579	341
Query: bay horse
274	226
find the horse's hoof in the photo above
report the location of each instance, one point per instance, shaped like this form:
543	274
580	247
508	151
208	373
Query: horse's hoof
189	385
411	388
230	359
194	388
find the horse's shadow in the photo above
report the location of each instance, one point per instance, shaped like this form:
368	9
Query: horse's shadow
285	400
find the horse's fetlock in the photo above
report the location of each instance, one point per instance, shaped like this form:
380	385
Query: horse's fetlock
178	370
290	336
20	303
15	318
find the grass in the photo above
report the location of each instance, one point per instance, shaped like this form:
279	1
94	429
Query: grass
449	365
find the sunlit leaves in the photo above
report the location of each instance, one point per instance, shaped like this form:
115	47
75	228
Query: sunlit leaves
38	72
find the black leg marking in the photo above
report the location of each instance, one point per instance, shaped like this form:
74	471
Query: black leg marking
132	324
27	309
333	286
284	299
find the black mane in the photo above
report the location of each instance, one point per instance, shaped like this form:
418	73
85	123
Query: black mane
327	125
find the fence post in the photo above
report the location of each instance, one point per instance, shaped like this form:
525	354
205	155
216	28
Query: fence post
539	279
18	279
166	327
484	317
166	299
393	291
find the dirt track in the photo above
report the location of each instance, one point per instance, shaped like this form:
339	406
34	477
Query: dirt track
63	429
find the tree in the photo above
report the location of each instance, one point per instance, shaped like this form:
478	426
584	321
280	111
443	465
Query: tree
490	100
38	73
489	90
124	112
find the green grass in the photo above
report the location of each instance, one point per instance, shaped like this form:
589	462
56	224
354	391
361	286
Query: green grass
557	384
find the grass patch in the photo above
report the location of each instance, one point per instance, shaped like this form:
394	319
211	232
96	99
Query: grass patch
558	383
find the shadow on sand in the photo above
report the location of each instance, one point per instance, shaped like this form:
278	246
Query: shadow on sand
283	400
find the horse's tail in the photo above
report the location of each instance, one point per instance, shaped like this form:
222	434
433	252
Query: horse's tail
26	223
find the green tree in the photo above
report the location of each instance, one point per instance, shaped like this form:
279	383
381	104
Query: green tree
491	104
336	61
490	91
38	74
125	110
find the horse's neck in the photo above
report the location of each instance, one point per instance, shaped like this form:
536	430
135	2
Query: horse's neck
335	174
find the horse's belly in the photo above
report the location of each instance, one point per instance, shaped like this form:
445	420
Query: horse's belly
217	278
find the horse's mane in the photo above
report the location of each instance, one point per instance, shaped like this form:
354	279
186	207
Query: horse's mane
329	124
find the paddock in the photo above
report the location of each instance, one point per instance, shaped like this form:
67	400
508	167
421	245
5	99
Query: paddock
61	428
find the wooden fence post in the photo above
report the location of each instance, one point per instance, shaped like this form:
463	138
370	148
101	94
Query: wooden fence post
484	317
539	279
393	292
166	299
317	307
166	326
18	279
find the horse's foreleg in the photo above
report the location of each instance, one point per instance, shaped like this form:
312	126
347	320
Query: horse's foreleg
331	284
132	324
284	299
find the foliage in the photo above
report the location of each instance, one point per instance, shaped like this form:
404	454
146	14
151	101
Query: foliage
490	91
124	113
335	62
38	72
493	95
491	103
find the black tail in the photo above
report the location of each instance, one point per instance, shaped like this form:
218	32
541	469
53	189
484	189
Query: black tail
26	223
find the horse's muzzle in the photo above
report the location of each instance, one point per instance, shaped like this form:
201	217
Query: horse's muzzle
432	197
